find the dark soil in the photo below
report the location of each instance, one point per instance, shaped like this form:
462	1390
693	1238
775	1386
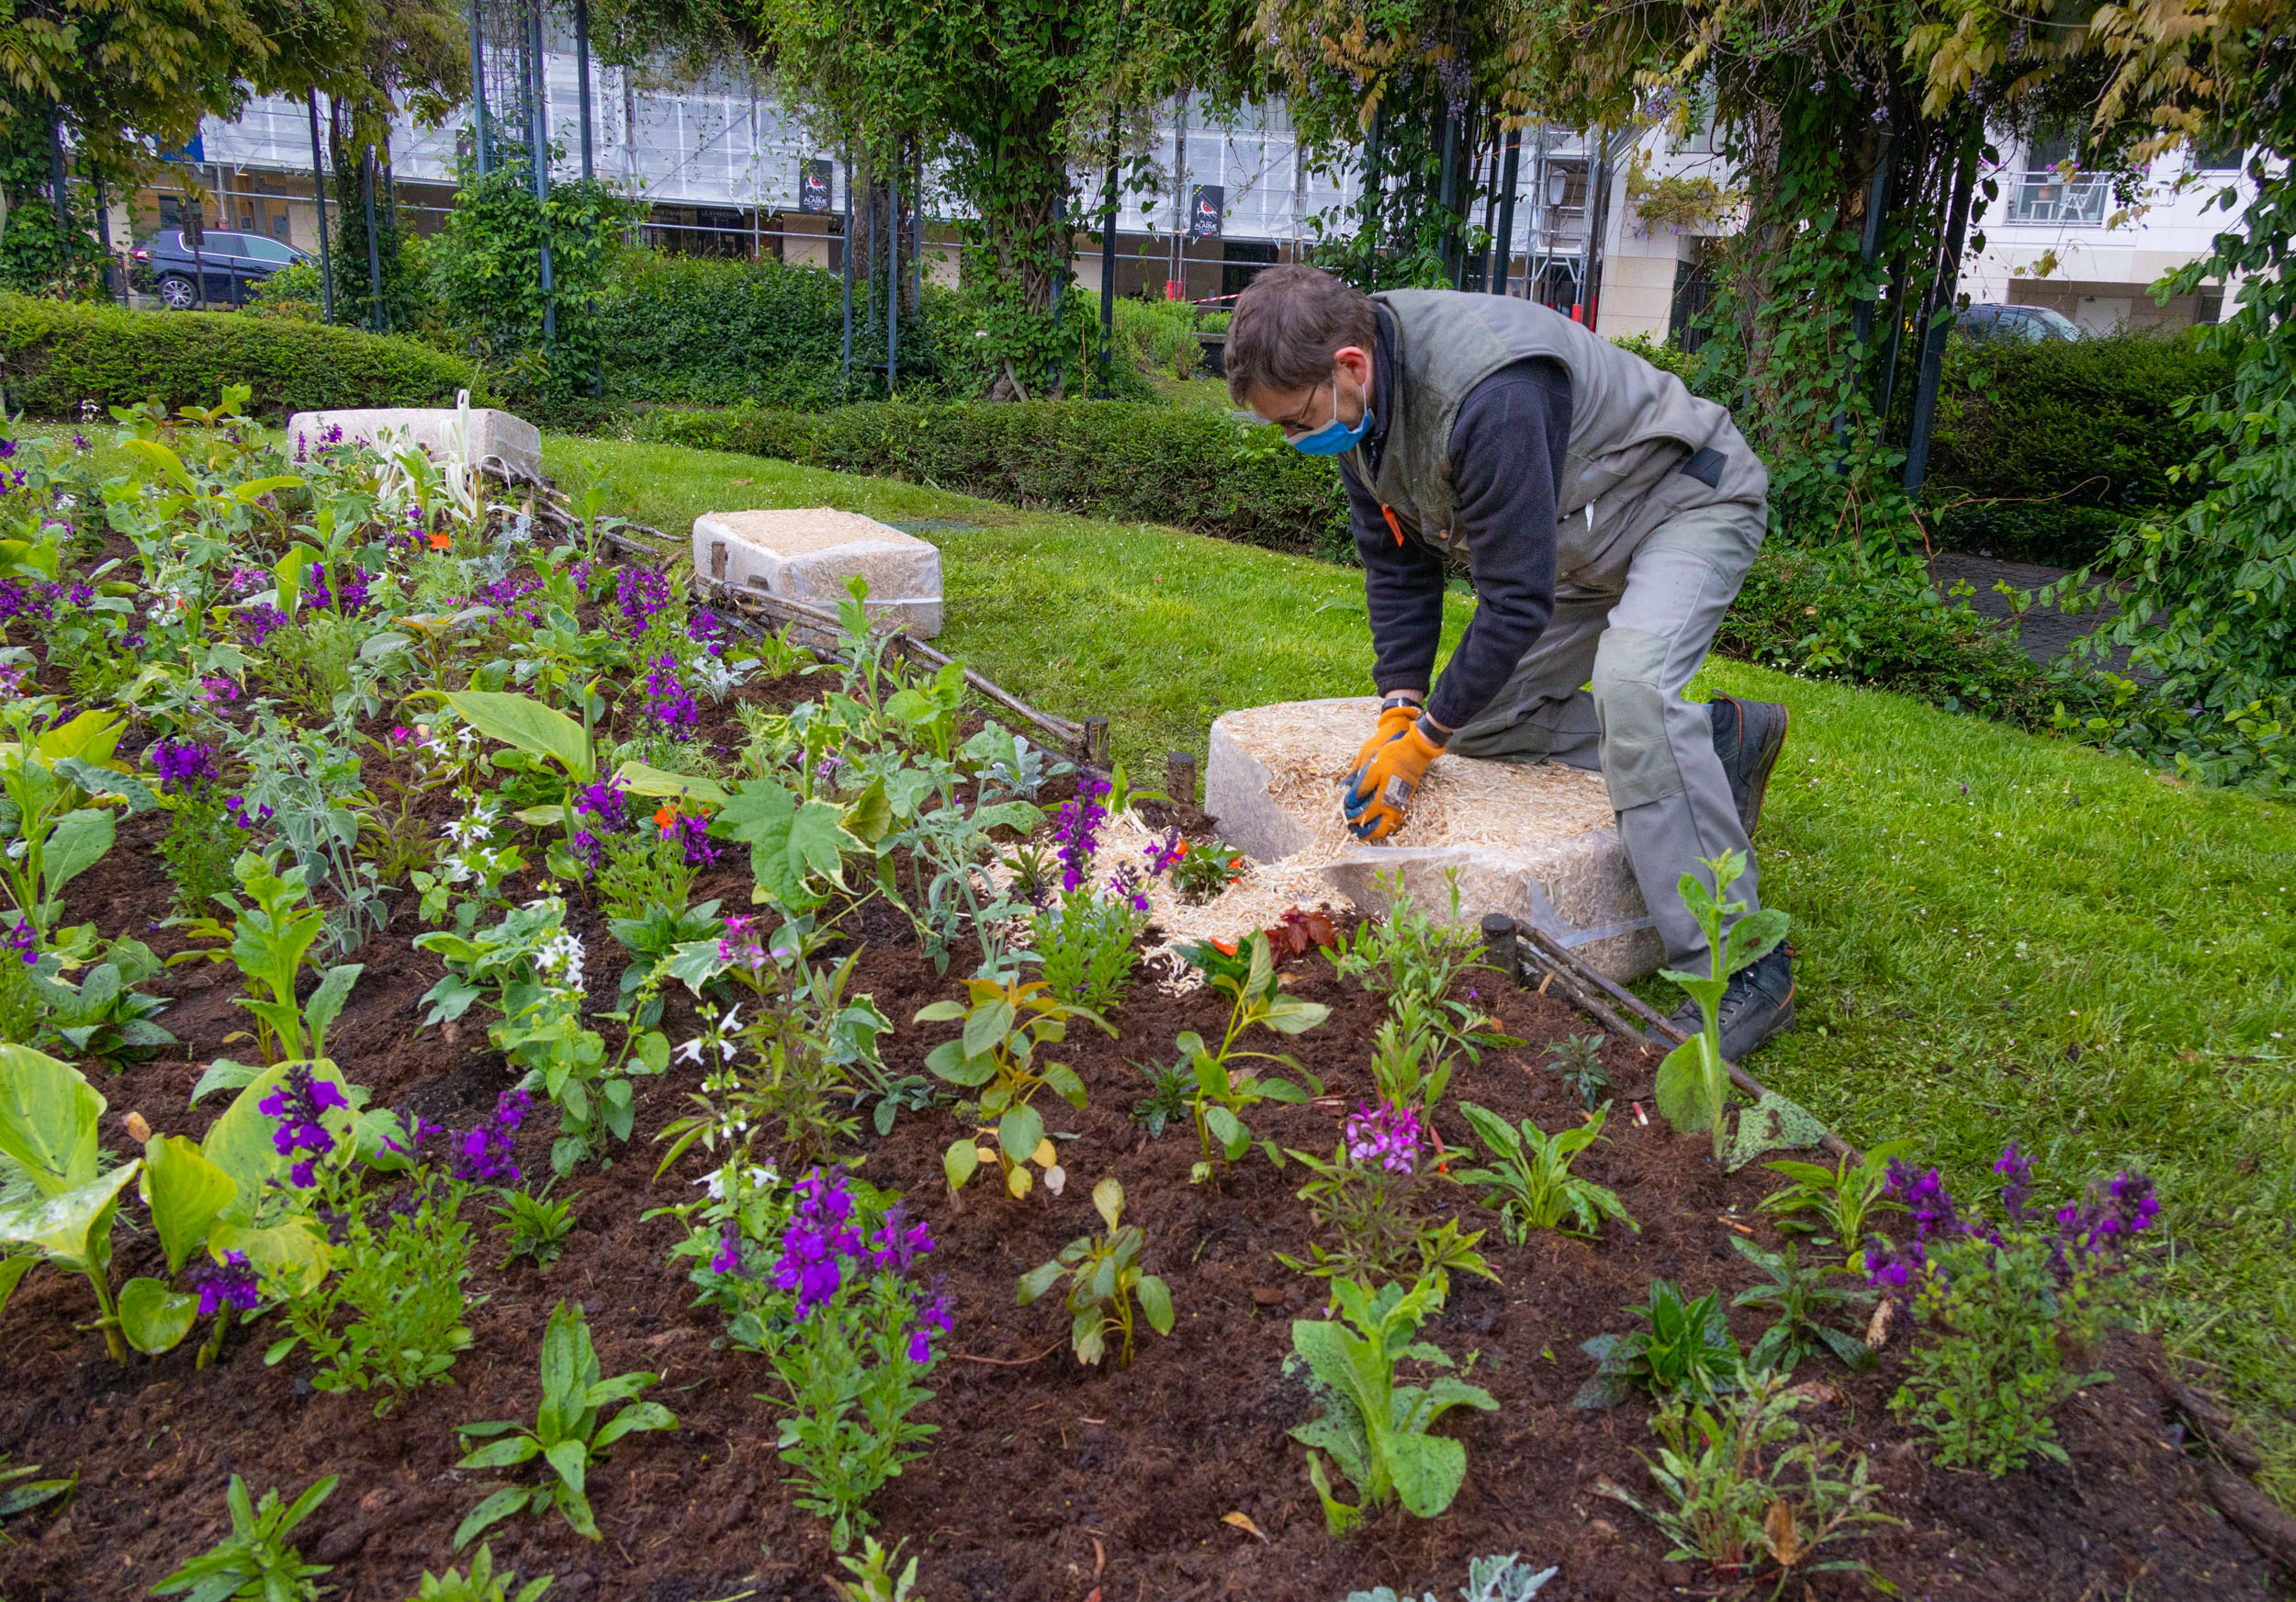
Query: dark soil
1047	1482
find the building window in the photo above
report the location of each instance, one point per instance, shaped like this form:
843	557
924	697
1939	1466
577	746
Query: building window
2045	194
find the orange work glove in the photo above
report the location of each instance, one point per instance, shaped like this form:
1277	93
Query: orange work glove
1379	792
1393	720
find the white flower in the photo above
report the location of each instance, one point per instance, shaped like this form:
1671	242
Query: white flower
690	1052
755	1177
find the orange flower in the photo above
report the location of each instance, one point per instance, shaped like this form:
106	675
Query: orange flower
1226	948
1181	852
441	539
665	818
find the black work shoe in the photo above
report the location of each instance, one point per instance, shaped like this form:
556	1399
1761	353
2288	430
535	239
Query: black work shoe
1748	737
1758	1004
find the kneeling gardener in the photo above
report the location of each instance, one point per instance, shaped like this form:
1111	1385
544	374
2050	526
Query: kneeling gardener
1607	517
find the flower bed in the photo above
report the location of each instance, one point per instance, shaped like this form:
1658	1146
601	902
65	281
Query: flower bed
568	1087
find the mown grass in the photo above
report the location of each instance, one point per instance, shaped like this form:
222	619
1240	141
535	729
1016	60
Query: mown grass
2001	936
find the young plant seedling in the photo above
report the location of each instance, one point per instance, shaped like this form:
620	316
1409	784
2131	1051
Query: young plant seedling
874	1579
1104	1275
255	1559
1533	1187
1489	1579
996	1056
1224	1092
1377	1430
1802	1299
270	939
1684	1349
481	1584
566	1432
1844	1198
537	1227
1694	1082
1579	1062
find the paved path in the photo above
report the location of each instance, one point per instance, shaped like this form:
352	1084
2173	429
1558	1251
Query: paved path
2044	632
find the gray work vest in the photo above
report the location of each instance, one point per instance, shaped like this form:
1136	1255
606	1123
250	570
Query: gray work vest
1632	427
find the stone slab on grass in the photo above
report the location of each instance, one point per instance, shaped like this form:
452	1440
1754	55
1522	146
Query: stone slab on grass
806	555
1536	841
497	439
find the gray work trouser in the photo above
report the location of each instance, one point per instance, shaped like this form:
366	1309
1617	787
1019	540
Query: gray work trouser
1602	688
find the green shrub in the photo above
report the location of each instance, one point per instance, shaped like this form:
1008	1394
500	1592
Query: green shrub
1183	466
2071	435
1877	620
53	356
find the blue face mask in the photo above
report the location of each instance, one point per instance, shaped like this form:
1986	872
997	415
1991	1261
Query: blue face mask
1335	438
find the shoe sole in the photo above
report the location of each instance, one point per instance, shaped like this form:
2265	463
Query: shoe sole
1757	781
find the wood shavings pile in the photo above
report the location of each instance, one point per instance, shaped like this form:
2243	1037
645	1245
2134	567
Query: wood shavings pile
1307	746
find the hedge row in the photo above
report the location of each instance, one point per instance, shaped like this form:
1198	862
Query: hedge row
54	355
1189	467
2064	439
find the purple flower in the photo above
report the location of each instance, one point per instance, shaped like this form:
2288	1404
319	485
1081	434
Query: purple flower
819	1241
1894	1272
666	700
264	618
581	574
182	764
1126	885
217	688
1164	852
606	801
299	1103
22	941
726	1259
691	831
245	580
640	595
707	629
14	676
1385	1134
354	589
1924	1195
742	944
899	1243
485	1154
507	592
79	441
242	817
27	598
932	1318
229	1284
7	450
2016	1170
1075	831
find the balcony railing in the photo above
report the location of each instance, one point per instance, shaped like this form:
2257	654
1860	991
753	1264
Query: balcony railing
2048	197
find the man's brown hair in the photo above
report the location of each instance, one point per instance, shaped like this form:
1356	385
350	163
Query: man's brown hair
1287	323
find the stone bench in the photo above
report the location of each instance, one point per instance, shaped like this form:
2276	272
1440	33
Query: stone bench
1536	841
498	440
806	555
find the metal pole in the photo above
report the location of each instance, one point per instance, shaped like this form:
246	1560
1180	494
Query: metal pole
477	96
1938	304
1180	195
1447	249
318	197
1487	254
892	279
582	58
1869	247
1597	225
60	192
1108	270
538	137
1504	256
199	238
373	245
1060	280
112	287
845	250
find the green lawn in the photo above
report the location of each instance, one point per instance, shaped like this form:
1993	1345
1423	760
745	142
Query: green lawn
2001	936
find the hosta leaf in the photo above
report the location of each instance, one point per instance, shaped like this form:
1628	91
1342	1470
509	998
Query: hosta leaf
526	724
185	1193
49	1114
155	1318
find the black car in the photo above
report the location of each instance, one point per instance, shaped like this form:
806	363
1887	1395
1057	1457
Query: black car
233	263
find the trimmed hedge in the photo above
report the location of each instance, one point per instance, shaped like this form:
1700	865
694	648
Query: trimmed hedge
2073	436
54	355
1188	466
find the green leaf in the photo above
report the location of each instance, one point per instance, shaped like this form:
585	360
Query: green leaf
960	1161
1770	1123
1064	1083
155	1318
326	1003
572	1460
76	844
49	1114
240	1142
1428	1470
1037	1281
1229	1131
939	1013
526	724
987	1027
1155	1300
294	1253
70	1225
1680	1090
641	779
493	1511
1338	1517
12	1271
1753	936
185	1193
1018	1132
